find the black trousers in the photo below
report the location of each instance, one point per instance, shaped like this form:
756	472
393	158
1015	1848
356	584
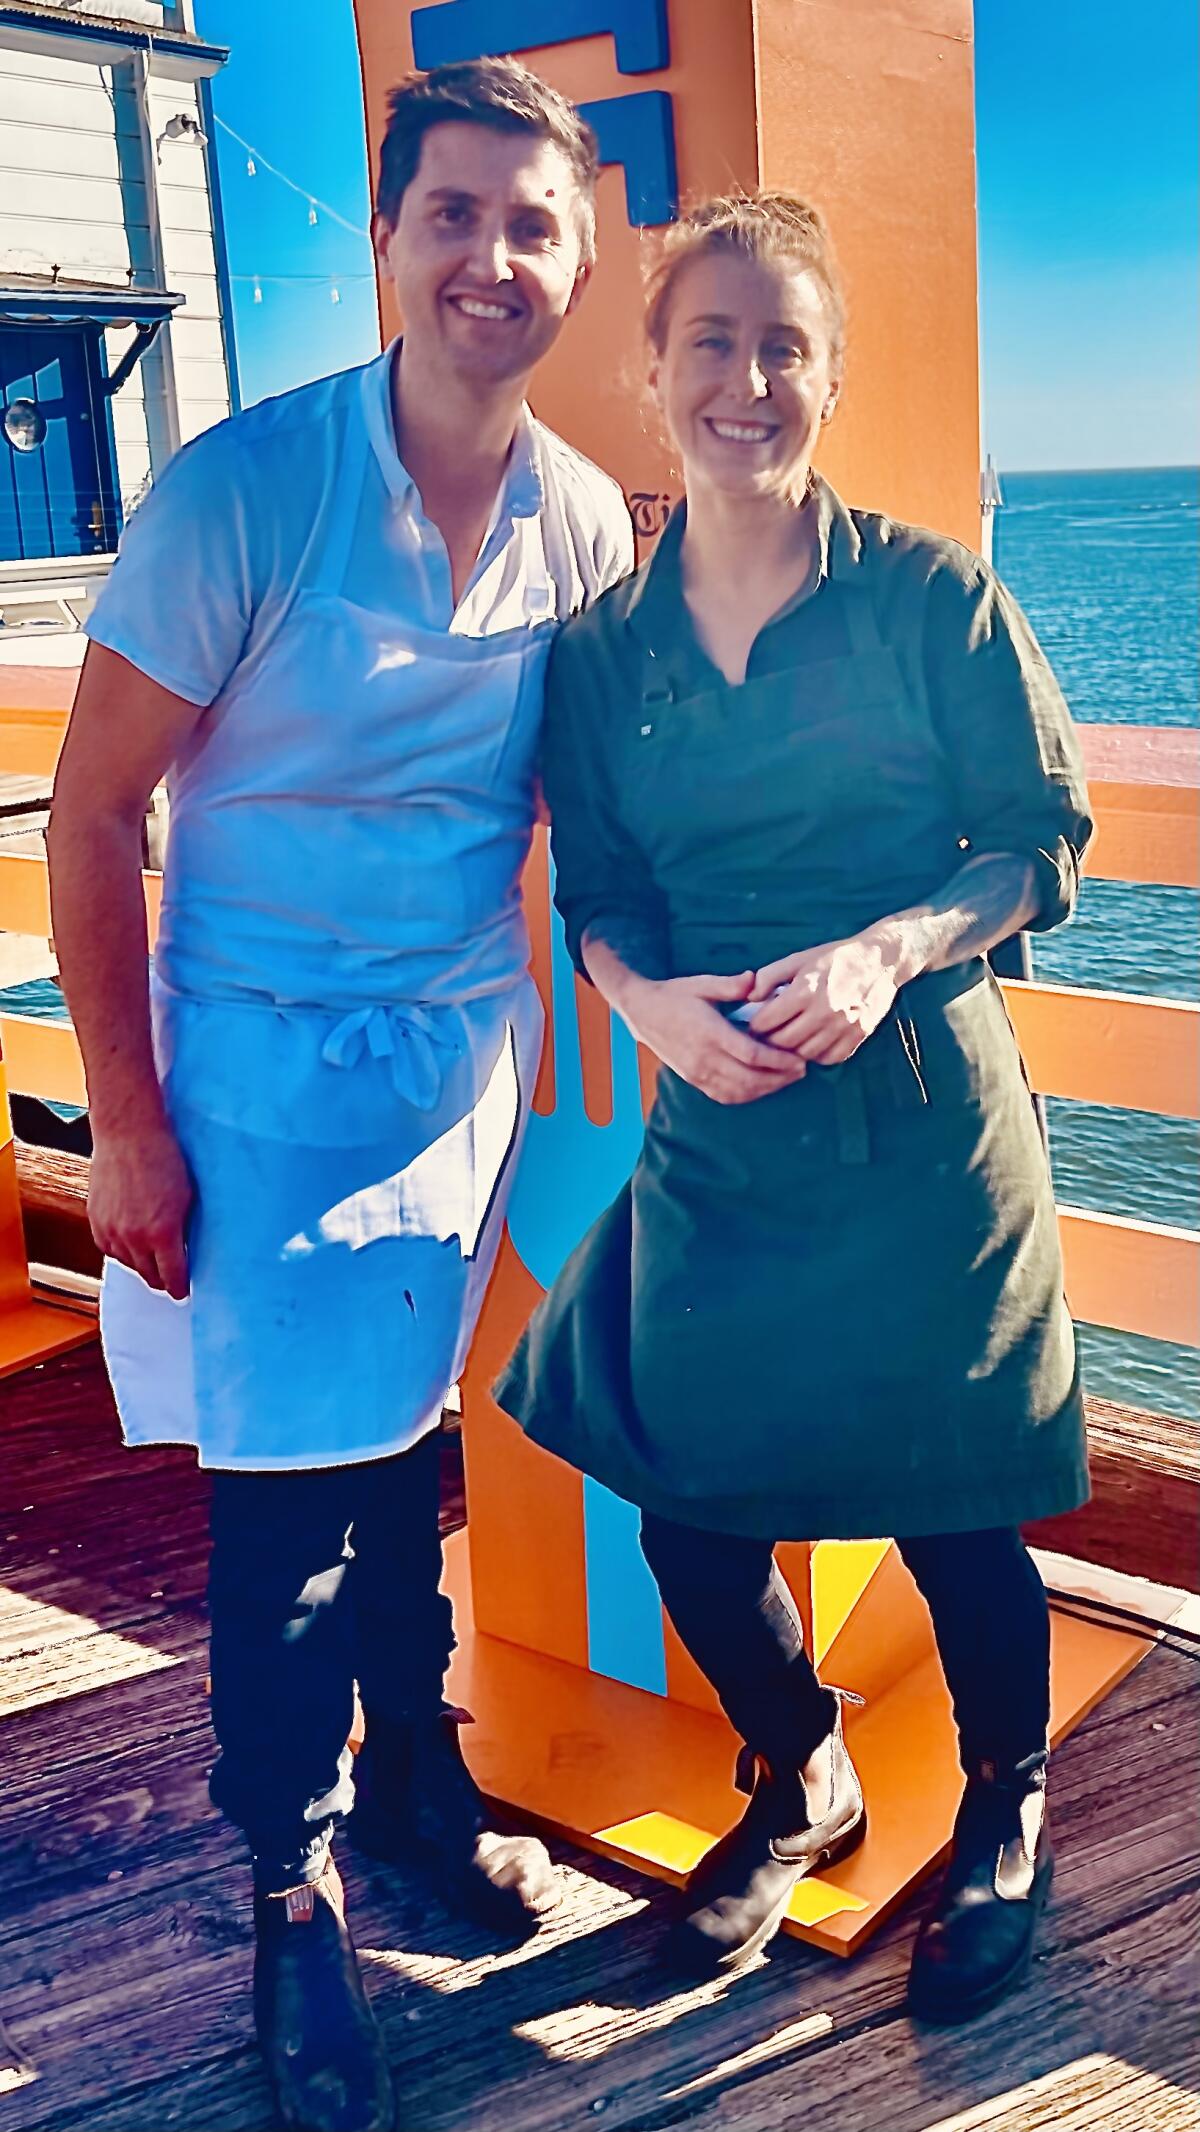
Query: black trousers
737	1618
318	1580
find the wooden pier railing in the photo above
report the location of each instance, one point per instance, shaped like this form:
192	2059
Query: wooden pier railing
1139	1277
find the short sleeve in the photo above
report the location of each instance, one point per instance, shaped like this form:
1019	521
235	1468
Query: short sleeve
602	878
1013	753
180	598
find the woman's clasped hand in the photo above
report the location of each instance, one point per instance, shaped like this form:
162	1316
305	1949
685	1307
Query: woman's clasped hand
680	1020
822	1003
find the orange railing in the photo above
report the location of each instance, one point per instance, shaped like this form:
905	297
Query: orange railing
1099	1047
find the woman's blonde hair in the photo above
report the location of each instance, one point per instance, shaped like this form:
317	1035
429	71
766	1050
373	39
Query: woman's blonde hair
759	225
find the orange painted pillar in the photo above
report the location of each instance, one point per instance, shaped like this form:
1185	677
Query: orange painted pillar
588	1713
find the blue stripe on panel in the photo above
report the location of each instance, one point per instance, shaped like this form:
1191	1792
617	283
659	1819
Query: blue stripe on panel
624	1611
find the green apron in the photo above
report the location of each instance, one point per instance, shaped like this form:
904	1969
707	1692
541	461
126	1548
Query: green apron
835	1312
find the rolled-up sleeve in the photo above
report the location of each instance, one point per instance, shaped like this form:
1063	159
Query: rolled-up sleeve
1014	757
602	878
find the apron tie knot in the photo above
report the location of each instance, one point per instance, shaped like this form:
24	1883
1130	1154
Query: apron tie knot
410	1038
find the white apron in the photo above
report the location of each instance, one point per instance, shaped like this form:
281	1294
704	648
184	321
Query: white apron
345	1029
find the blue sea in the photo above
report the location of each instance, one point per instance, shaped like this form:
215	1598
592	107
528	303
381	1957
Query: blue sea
1107	565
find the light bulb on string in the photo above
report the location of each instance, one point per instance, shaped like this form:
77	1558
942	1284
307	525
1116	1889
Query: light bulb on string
258	292
312	213
251	167
335	294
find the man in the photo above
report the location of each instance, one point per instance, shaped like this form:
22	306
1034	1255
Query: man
330	622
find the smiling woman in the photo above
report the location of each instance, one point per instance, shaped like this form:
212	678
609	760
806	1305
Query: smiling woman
811	759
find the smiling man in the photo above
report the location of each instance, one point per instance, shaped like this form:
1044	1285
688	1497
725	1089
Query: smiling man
329	626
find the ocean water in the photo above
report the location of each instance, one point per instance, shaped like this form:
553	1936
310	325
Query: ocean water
1107	566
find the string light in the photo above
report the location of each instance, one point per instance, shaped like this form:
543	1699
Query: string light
335	294
312	213
256	157
258	292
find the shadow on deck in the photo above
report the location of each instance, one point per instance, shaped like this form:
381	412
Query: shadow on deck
124	1911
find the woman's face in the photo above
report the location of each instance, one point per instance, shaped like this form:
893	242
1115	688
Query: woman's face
747	374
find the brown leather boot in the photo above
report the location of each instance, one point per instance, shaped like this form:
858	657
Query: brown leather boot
416	1802
798	1820
320	2041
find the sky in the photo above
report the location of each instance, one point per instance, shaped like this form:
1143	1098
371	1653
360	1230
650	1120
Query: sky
1086	116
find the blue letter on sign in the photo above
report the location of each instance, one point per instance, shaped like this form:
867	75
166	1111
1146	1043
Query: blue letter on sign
639	132
469	29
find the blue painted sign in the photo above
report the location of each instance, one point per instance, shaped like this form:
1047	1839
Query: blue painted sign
635	131
473	29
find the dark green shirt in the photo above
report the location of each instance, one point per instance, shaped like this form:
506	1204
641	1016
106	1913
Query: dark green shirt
1002	771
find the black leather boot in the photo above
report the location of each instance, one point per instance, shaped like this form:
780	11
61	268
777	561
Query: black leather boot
320	2041
798	1820
978	1942
416	1802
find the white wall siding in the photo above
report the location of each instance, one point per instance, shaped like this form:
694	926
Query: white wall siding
73	195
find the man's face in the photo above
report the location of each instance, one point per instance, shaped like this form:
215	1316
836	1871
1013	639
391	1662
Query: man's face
486	252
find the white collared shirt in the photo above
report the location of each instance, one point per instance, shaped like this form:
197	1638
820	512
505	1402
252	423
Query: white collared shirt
233	531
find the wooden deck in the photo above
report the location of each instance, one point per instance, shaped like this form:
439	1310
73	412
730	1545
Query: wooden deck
124	1907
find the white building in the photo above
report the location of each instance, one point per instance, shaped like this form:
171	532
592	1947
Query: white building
115	342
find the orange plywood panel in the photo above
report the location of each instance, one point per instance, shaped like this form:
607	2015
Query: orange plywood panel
1145	833
1109	1047
42	1059
1145	787
31	1329
25	896
593	385
647	1779
30	740
525	1507
1138	1277
867	109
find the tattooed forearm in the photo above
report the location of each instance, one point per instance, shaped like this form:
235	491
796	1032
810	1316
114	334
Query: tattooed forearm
986	900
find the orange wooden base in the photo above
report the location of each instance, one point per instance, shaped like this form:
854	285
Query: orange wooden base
647	1780
33	1331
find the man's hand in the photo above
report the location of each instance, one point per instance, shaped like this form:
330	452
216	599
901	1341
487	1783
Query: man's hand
824	1002
139	1198
677	1018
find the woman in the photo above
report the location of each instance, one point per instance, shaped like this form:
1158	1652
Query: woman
805	769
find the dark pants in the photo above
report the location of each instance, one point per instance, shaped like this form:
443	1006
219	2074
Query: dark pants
737	1618
318	1579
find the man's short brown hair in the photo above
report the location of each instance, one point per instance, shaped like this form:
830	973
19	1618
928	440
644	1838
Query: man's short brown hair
499	93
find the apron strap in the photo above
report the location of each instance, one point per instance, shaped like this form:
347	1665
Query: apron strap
342	524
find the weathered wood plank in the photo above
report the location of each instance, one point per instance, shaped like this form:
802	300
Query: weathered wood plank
585	2001
1144	1514
124	1904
